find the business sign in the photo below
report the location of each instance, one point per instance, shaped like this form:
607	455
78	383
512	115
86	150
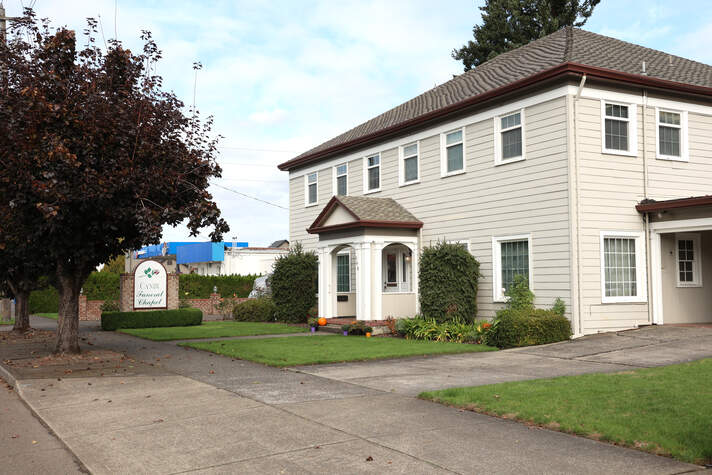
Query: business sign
150	285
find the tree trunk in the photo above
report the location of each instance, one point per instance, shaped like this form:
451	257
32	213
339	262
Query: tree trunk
68	319
22	312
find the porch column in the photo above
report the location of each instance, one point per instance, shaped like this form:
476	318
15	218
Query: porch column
376	283
325	298
364	279
656	266
414	263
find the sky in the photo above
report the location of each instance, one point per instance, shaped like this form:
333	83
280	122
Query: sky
282	76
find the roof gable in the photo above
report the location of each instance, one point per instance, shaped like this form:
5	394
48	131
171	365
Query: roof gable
343	212
510	70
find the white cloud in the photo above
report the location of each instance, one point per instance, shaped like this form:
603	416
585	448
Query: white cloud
268	116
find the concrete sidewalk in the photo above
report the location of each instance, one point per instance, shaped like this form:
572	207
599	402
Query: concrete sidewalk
185	410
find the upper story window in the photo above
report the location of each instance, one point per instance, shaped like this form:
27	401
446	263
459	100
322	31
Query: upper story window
452	152
372	173
341	179
410	166
509	138
618	129
310	185
622	267
671	135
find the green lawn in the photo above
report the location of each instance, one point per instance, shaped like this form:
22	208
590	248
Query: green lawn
53	316
213	330
665	410
319	349
7	322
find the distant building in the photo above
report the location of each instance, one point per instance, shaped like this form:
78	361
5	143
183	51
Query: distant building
210	258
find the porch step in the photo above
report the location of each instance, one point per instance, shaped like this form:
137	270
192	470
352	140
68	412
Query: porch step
336	328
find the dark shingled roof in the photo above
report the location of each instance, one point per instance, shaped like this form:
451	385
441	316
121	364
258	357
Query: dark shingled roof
568	45
367	211
376	209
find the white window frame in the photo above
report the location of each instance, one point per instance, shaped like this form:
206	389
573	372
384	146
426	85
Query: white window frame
498	138
346	253
366	168
466	242
632	129
640	267
497	290
307	204
443	153
684	153
696	263
401	164
335	176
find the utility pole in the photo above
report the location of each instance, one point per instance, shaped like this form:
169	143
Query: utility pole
3	23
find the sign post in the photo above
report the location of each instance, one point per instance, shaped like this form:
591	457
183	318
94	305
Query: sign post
150	282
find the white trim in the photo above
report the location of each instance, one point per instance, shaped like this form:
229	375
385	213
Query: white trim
656	277
697	259
366	168
640	267
684	149
401	163
498	160
497	290
597	93
345	252
307	204
682	225
466	242
632	121
485	114
335	175
443	153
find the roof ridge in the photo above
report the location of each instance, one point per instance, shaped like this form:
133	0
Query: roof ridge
569	45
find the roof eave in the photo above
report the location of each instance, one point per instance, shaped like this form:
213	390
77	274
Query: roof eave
366	224
691	202
559	70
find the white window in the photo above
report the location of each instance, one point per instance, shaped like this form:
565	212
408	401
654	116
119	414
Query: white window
689	260
343	272
452	152
341	179
310	189
619	132
622	267
372	174
511	256
409	164
509	144
671	132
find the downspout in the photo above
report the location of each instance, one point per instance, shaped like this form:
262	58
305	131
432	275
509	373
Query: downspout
578	206
646	217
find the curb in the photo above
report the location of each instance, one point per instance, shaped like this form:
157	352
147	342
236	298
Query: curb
8	377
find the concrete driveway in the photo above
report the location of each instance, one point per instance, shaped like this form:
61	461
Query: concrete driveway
607	352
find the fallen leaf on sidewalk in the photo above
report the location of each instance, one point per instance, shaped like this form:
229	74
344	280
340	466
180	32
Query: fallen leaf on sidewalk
15	436
34	441
158	420
369	459
212	372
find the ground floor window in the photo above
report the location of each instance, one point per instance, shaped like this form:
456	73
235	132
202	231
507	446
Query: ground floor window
622	267
688	260
343	273
511	256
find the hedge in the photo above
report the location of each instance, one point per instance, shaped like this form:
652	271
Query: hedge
262	309
102	286
194	286
294	285
44	300
154	318
516	327
448	279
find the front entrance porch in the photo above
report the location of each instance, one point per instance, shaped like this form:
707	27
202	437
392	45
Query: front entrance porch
368	259
681	260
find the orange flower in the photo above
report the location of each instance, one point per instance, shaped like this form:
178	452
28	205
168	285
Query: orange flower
486	325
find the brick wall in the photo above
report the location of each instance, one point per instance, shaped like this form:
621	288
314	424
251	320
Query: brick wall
89	309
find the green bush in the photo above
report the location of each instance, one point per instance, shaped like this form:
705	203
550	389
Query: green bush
457	331
357	328
151	319
110	306
294	285
102	286
194	286
449	276
559	307
519	295
44	300
523	327
255	310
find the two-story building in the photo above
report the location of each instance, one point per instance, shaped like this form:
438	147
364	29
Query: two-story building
579	160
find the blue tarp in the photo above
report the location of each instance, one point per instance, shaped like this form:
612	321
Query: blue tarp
216	250
200	252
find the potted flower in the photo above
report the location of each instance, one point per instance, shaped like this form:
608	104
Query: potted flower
345	329
313	323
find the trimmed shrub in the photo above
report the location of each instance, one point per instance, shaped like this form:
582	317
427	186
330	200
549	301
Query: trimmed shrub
110	306
151	319
194	286
102	286
449	276
255	310
523	327
294	285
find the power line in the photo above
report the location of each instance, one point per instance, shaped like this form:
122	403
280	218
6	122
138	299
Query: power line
251	197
